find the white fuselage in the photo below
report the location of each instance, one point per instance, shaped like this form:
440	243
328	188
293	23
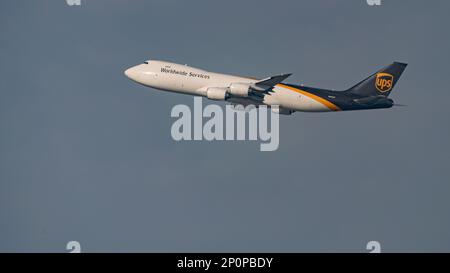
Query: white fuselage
189	80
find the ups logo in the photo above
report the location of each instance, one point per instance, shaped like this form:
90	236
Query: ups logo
384	82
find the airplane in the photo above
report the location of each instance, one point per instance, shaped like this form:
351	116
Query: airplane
370	93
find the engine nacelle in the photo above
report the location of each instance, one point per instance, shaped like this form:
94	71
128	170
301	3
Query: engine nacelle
282	111
239	89
216	93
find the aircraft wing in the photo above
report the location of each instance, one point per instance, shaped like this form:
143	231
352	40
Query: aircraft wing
264	86
269	83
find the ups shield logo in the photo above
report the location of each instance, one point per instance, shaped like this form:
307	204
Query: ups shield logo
384	82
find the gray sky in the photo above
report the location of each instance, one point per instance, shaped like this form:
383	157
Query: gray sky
86	154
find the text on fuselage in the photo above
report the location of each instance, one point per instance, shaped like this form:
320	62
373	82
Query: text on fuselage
184	73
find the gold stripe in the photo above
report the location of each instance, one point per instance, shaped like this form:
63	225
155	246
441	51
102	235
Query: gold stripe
321	100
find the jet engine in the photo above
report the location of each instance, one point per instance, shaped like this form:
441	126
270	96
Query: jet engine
216	93
239	89
282	111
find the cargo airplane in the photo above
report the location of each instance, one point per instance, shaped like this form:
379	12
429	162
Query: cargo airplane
370	93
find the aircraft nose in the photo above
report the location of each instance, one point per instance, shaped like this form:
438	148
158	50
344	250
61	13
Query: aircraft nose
137	73
131	73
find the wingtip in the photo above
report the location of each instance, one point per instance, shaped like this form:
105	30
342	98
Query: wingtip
402	64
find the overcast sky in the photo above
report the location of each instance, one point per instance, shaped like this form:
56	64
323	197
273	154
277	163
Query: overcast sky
86	154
